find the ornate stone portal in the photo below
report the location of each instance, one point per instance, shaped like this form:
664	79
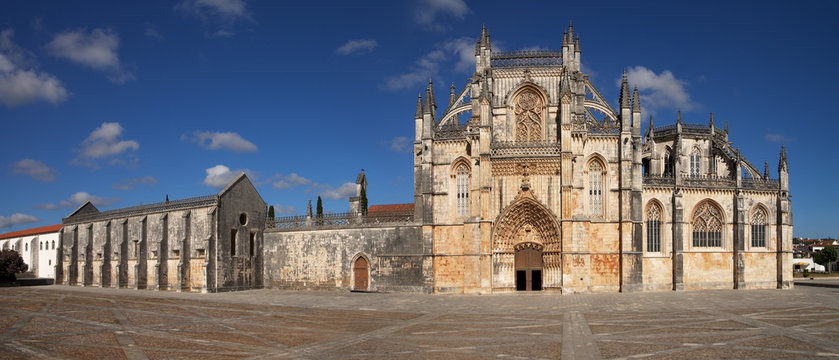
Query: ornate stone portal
525	229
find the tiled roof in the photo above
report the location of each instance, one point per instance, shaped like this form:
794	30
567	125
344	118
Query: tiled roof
35	231
390	208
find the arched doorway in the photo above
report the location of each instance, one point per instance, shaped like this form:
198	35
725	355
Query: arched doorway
527	247
528	267
360	274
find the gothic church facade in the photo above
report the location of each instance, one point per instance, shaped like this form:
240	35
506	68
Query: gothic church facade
530	180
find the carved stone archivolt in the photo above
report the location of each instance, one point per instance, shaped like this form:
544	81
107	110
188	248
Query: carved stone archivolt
528	108
526	220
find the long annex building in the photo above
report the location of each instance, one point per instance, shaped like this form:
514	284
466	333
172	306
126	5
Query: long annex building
528	180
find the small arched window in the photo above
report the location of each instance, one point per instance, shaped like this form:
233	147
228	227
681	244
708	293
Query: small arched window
40	245
26	247
668	163
53	244
759	227
707	225
694	163
653	227
595	188
462	183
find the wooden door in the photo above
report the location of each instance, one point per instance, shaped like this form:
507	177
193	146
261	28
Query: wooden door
360	274
528	269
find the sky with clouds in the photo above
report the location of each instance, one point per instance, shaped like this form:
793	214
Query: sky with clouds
123	103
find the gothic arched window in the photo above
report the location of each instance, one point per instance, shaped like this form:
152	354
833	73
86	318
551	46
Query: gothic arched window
595	188
668	163
653	227
462	183
759	227
707	224
40	245
694	163
528	108
53	244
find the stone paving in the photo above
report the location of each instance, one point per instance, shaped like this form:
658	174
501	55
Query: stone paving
74	322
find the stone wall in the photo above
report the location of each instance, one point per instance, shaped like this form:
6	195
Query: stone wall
323	259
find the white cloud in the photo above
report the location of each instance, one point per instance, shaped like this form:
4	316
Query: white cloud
104	142
20	83
428	12
96	49
151	31
223	12
17	219
400	144
284	210
221	140
289	181
35	169
128	184
357	47
219	176
457	53
80	198
344	191
777	138
659	91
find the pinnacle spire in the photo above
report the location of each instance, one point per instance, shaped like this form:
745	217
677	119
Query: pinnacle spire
430	102
564	85
452	96
726	126
624	92
783	154
570	31
418	114
712	119
679	116
484	40
577	43
636	101
651	132
766	170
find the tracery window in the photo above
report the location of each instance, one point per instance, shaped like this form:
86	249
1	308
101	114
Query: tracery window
759	228
595	188
707	225
653	228
694	163
528	108
462	183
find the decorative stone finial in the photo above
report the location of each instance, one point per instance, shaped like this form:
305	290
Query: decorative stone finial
625	100
418	114
636	101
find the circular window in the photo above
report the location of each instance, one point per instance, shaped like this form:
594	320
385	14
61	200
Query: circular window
243	219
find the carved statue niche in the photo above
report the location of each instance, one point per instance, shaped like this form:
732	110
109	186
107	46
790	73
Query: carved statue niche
528	108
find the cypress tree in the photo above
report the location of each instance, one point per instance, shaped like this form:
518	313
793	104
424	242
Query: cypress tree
271	212
319	214
363	201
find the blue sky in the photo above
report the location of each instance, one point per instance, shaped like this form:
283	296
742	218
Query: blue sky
124	103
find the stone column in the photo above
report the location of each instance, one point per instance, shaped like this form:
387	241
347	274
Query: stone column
739	244
678	241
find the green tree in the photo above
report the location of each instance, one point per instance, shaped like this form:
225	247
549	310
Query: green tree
10	264
319	214
271	212
825	257
363	201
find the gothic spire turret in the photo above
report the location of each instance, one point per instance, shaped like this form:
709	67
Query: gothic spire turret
726	126
570	31
565	85
679	116
452	96
577	44
483	41
430	102
624	100
766	170
418	114
636	101
782	162
651	132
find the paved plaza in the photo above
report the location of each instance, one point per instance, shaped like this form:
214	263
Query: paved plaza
74	322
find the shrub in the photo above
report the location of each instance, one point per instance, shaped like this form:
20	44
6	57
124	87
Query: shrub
10	264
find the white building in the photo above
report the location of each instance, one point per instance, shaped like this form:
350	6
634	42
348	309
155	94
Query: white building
36	246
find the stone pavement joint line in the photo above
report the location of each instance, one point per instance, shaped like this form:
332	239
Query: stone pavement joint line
91	323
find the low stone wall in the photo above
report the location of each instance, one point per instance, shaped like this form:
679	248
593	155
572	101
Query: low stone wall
323	259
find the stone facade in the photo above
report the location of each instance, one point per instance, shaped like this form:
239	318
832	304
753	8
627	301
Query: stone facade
530	179
205	244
